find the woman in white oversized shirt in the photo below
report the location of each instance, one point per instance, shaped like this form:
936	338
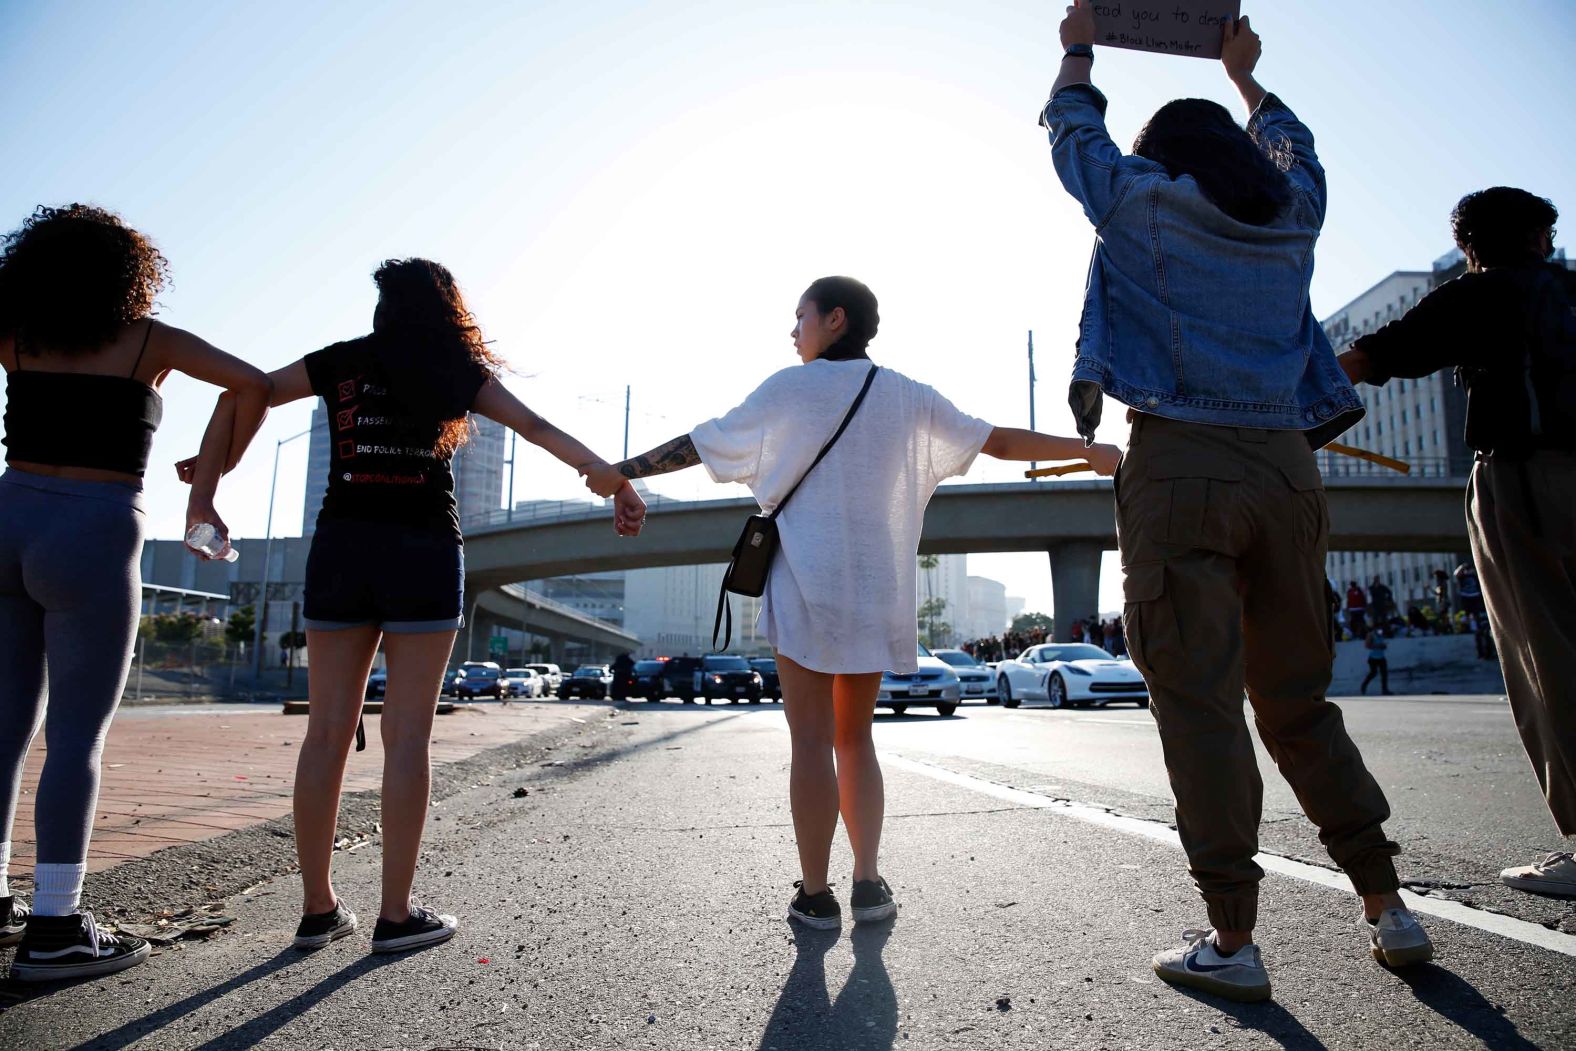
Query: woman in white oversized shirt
841	600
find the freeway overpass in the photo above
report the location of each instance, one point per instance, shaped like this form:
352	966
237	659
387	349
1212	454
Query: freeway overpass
514	606
1073	522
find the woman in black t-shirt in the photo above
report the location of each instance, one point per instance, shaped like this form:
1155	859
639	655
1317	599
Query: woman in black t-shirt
387	564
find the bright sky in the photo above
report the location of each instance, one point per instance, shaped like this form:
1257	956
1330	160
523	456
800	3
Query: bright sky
638	192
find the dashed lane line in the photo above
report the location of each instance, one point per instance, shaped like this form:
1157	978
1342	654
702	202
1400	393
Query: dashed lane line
1489	922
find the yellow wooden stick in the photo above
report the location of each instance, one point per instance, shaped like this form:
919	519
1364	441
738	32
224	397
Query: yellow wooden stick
1066	468
1371	457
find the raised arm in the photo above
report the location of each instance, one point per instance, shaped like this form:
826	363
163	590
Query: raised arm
1077	31
1240	49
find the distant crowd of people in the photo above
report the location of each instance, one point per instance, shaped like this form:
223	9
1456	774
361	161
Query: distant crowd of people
1362	610
1107	634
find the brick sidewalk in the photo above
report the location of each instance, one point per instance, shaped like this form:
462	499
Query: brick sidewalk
173	775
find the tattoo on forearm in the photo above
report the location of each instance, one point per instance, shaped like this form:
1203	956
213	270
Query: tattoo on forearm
670	456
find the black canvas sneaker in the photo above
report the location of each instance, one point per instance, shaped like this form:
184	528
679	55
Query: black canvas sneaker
423	927
13	920
320	928
820	911
57	947
872	901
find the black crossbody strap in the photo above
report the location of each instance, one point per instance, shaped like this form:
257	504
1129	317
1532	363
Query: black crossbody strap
870	377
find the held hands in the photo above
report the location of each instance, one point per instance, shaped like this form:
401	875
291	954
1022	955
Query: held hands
603	479
1103	458
629	511
186	469
1240	49
1078	26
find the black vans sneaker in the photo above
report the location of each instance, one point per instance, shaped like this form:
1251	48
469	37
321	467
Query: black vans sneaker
820	911
56	947
319	928
872	901
13	920
423	927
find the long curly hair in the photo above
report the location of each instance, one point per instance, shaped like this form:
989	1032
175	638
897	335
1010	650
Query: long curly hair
1242	176
431	347
72	277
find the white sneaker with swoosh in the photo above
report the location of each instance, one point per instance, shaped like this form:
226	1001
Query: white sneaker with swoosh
1199	964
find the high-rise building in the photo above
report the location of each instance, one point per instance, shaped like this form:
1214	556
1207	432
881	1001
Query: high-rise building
947	588
478	470
317	460
987	609
477	467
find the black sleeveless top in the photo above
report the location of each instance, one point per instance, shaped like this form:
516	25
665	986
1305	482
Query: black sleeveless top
74	419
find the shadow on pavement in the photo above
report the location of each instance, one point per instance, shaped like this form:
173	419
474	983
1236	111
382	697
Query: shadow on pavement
864	1015
137	1029
1454	998
1269	1018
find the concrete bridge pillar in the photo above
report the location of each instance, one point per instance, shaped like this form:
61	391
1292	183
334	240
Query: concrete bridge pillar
1075	583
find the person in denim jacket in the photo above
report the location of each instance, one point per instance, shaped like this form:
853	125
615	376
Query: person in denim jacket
1197	317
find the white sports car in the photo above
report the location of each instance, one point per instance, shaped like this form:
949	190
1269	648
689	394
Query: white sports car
1069	675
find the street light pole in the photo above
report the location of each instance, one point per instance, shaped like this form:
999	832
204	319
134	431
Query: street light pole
268	548
1032	464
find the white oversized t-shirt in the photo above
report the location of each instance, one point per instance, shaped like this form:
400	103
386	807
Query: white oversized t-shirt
843	591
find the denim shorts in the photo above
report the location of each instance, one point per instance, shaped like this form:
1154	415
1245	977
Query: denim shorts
399	578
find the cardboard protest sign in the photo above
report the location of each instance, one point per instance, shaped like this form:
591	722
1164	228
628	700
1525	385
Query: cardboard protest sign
1171	27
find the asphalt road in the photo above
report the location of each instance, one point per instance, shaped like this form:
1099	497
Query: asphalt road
633	899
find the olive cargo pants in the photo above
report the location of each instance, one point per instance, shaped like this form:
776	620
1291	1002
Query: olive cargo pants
1223	533
1522	520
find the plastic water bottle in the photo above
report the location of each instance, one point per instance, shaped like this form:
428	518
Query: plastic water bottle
206	539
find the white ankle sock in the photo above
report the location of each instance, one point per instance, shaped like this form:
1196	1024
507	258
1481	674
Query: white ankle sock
57	889
5	868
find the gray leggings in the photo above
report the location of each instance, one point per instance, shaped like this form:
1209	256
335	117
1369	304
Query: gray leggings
70	594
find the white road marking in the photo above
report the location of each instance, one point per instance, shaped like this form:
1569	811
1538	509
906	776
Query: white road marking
1117	722
1490	922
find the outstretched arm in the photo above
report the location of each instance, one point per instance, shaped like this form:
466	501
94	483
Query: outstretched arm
675	455
1013	443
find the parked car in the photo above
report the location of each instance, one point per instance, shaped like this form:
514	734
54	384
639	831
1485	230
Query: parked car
588	680
935	684
522	682
1070	675
771	685
552	676
450	679
680	677
724	676
976	679
377	684
480	681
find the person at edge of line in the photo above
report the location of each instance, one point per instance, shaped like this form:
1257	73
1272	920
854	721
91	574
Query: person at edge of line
1383	602
387	566
1508	328
1220	505
623	668
1356	610
84	362
841	599
1378	665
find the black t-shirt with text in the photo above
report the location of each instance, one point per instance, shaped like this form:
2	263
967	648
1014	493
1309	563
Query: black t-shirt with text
382	467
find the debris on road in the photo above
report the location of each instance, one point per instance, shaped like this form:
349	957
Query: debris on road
521	792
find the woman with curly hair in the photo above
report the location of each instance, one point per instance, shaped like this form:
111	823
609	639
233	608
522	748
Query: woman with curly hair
84	361
387	564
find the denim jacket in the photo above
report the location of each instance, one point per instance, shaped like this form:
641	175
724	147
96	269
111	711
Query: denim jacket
1188	313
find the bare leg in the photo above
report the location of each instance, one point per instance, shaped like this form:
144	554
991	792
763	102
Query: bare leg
860	788
416	664
812	778
340	662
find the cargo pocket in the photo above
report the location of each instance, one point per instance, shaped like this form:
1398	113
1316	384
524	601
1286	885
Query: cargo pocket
1148	620
1310	509
1205	490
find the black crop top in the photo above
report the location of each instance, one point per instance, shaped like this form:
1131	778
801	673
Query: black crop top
77	419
